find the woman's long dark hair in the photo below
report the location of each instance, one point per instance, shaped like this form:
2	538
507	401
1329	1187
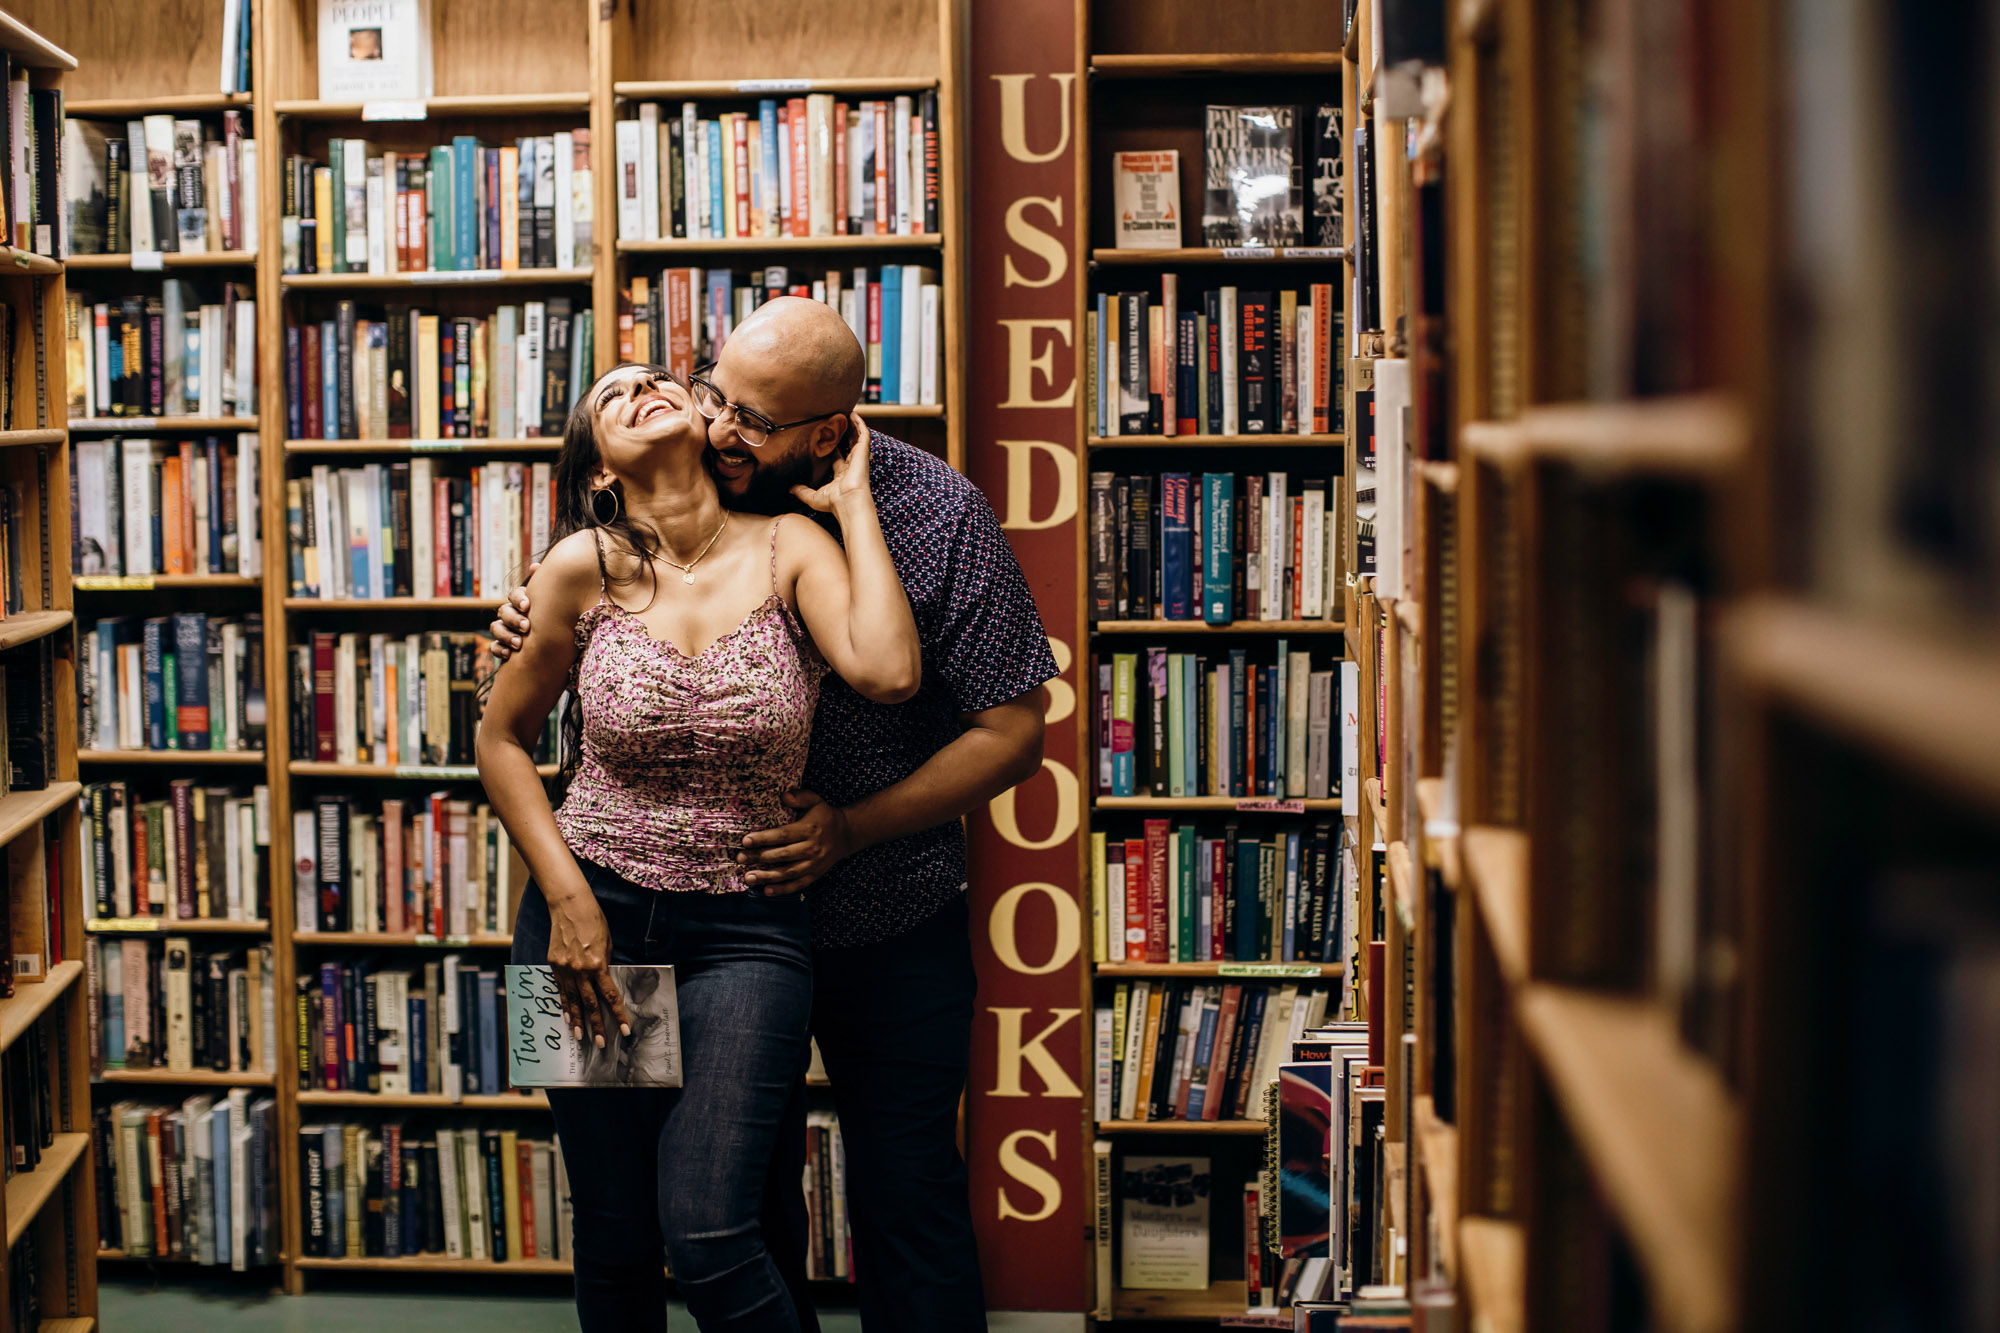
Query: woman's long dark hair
576	464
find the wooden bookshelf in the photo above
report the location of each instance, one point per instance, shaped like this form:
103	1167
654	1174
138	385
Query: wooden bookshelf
175	758
413	1101
122	925
193	1078
32	625
141	425
1245	1127
173	259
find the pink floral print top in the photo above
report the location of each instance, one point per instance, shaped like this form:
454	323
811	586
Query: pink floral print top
684	755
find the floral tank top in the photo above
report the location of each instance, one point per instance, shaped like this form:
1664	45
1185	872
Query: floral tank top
683	755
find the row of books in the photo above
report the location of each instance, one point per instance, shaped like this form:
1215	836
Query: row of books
160	185
33	194
196	1181
1177	1050
166	355
28	1127
1193	893
830	1240
1239	362
165	1004
183	682
459	207
803	166
402	701
441	866
153	506
197	854
470	1191
1201	724
1211	546
27	741
439	1029
13	567
682	317
399	372
417	529
34	912
1325	1168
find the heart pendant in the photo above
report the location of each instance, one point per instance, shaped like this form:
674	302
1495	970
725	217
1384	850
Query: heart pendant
688	577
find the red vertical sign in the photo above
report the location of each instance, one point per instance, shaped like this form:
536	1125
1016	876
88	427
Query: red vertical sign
1025	1115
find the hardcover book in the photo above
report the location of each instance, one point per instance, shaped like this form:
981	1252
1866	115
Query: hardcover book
1251	186
372	50
1163	1223
1146	197
542	1052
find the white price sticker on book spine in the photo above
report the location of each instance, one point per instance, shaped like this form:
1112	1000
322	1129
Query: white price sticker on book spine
394	111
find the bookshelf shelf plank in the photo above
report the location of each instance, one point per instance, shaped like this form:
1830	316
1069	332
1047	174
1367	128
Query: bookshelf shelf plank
1437	1147
30	1190
1203	627
1493	1259
1216	441
206	1078
22	810
1496	864
390	603
160	925
519	446
1229	1296
1237	971
174	758
30	48
1237	804
1440	834
1697	436
437	1263
652	89
172	259
126	108
505	1101
899	411
465	277
1842	670
134	425
15	439
1375	805
1277	254
28	626
15	263
314	768
30	1000
481	104
69	1324
738	245
1661	1134
148	582
374	940
1244	1127
1195	64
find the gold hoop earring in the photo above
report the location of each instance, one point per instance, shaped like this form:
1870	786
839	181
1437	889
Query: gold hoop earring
597	510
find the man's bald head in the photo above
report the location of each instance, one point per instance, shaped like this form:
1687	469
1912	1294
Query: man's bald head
800	350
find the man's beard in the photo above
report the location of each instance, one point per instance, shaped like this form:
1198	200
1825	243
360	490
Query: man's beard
768	489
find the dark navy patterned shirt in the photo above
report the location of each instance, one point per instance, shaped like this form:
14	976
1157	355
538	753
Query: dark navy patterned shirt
983	644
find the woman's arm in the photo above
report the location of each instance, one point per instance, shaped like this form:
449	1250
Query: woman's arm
517	709
854	605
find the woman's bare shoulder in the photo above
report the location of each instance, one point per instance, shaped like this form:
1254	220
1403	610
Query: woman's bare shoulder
569	573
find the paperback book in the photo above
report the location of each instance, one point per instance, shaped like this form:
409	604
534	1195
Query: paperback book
1251	178
543	1053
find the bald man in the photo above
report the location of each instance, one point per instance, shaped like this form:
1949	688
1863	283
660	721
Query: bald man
878	832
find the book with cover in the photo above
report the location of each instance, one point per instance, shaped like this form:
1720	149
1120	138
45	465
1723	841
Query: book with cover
1163	1223
1147	199
372	50
542	1053
1251	194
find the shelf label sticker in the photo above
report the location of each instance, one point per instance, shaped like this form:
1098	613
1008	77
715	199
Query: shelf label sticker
453	275
463	772
774	85
138	423
393	110
1316	252
148	261
436	446
113	583
445	941
1267	969
124	923
1272	806
1249	252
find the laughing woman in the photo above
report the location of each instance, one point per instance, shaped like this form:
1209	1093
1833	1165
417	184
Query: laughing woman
693	640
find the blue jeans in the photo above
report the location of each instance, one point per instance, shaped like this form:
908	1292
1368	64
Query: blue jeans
684	1168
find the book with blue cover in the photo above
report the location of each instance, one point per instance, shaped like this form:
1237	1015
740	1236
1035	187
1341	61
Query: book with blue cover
1218	494
1176	547
542	1052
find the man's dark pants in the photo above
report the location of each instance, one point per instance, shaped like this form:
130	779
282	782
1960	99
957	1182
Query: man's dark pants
894	1026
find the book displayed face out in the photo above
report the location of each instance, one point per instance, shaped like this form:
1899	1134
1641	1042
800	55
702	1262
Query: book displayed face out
374	50
543	1053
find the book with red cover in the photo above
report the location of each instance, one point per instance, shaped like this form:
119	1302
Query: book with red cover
1256	395
1156	890
324	747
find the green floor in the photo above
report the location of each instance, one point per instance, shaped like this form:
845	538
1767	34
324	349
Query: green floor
126	1305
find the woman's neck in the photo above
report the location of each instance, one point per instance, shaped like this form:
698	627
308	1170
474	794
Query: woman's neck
678	503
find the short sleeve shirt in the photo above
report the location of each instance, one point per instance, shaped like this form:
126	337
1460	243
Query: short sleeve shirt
983	644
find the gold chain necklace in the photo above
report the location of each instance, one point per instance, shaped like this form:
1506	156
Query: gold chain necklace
687	570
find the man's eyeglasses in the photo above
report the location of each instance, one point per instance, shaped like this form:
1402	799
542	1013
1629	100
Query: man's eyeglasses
752	426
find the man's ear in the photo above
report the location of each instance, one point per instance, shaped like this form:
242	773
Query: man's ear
830	437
